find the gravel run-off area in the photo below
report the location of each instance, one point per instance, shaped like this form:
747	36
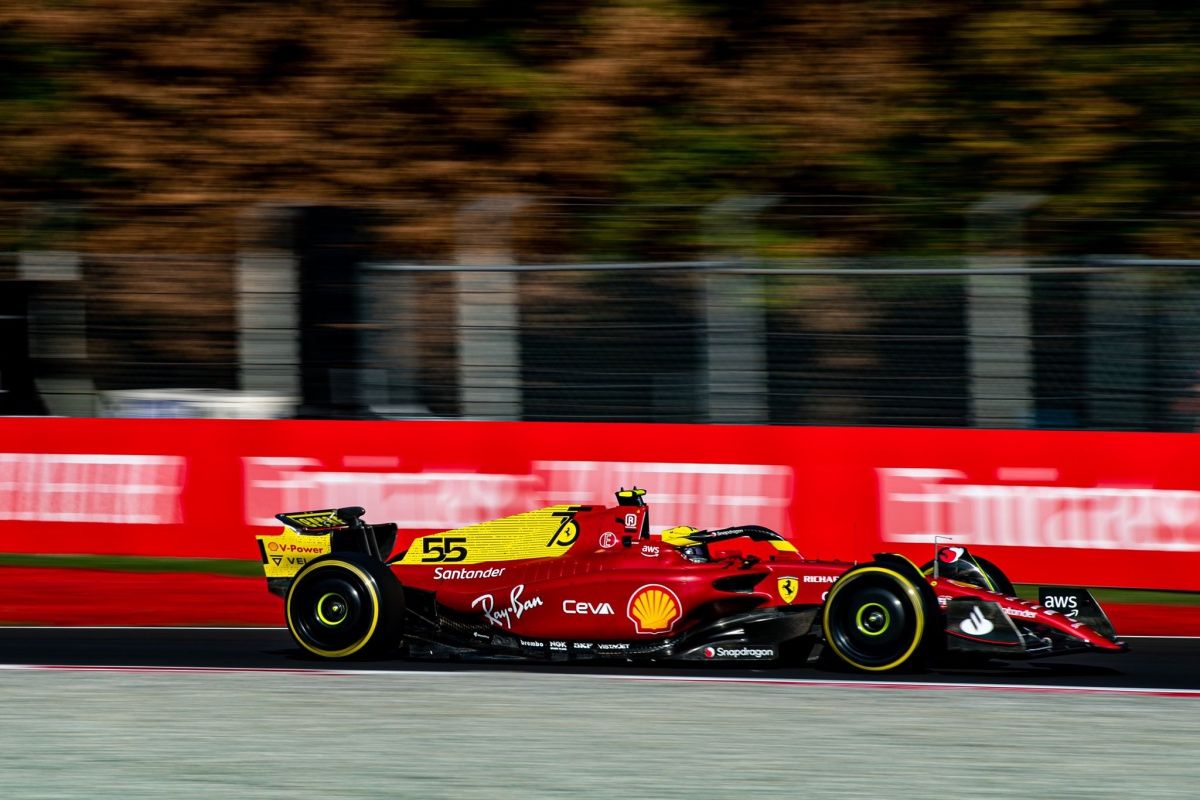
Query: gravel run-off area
155	734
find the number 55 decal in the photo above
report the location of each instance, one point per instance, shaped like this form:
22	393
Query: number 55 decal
443	548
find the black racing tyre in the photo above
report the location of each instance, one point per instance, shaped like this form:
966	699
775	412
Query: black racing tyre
1000	581
875	619
345	605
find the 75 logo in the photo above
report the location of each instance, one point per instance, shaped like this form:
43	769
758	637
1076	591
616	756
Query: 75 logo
568	528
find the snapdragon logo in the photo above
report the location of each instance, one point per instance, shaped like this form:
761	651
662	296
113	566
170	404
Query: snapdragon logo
739	652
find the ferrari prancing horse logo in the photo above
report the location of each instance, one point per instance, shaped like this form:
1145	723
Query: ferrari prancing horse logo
788	588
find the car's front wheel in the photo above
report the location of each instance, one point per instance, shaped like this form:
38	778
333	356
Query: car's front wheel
345	605
875	619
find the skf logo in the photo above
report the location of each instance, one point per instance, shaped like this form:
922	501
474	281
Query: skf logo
653	609
787	589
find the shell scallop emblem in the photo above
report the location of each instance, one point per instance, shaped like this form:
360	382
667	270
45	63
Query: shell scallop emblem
654	609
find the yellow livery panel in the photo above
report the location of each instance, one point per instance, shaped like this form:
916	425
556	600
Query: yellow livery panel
545	533
285	554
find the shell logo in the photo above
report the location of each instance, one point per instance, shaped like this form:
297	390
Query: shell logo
654	609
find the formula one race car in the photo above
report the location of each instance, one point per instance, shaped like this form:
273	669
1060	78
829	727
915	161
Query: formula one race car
581	582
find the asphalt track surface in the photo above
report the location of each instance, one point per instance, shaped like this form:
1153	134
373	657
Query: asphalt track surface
1154	663
239	714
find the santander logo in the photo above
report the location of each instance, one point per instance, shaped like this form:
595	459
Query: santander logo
976	624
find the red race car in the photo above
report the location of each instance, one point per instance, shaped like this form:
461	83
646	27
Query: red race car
581	582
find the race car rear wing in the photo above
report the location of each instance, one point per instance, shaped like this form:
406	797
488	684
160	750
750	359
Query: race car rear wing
329	519
346	529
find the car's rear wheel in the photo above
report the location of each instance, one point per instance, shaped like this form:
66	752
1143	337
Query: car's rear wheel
345	605
875	619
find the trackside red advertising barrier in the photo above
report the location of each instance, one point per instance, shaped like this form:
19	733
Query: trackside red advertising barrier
1097	509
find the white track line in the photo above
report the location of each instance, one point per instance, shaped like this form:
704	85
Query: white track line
794	682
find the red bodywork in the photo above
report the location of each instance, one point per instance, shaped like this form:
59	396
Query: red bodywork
1020	611
618	583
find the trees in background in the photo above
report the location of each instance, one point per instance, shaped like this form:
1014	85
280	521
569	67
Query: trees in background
167	119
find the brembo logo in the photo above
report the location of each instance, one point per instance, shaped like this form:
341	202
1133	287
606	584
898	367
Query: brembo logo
1031	511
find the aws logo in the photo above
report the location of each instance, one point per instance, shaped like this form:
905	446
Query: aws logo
654	609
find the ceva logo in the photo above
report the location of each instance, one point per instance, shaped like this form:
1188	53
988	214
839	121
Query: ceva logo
584	607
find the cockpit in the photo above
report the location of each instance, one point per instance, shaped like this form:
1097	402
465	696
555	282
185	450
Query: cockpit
715	545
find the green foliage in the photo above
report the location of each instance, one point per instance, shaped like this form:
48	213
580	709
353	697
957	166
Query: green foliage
659	106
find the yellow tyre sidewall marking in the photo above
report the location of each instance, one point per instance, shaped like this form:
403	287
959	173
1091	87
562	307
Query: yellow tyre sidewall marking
913	595
375	603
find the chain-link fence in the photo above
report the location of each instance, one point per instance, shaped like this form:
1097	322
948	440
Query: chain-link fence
314	327
1085	344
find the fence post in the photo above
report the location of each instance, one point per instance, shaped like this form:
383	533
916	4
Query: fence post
57	314
489	346
1120	330
268	308
331	245
999	320
734	316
